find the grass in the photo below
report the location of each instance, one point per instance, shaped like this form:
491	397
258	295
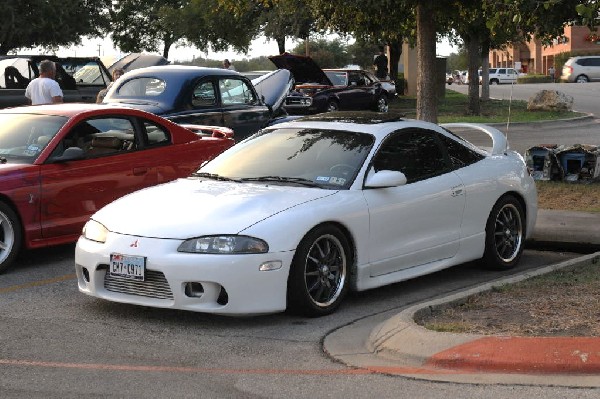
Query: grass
454	108
568	196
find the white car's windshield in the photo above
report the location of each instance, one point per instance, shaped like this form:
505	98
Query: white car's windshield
24	136
323	158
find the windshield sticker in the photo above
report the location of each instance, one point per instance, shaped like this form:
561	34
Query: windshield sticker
338	181
31	150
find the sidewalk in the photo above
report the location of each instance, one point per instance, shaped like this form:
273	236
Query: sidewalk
392	343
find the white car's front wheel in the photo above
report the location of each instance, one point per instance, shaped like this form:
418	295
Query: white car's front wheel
505	234
319	273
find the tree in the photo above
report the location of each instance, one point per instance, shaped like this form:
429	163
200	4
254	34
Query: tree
486	24
286	18
50	23
327	54
373	22
362	53
457	60
139	25
392	22
276	19
156	25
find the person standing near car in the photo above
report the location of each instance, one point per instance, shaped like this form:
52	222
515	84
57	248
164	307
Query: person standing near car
552	74
116	74
381	64
227	65
44	89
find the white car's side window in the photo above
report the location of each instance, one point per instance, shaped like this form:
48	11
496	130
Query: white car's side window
414	152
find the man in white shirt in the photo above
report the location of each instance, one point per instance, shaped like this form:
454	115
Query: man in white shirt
228	65
44	89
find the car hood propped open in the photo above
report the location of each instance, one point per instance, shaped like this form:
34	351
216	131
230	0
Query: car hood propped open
274	87
304	69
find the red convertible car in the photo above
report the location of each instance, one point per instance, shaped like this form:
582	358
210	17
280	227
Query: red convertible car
61	163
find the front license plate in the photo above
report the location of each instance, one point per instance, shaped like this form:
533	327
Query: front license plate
127	266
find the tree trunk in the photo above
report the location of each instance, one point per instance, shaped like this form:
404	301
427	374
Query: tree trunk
395	53
426	41
485	70
473	57
281	44
167	42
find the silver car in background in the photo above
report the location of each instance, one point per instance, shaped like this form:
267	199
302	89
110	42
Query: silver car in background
581	69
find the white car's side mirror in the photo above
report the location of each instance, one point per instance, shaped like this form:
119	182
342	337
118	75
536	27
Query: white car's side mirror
385	178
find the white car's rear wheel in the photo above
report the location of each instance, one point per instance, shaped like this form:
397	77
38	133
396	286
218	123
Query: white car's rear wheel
505	234
10	236
318	279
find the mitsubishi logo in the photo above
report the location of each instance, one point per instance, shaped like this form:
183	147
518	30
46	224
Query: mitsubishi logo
134	244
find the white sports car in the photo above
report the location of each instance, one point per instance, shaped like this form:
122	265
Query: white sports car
300	213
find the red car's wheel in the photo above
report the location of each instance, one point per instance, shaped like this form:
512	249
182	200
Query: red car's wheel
10	236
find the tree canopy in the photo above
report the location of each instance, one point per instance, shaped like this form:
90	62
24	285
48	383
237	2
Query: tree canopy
156	25
50	23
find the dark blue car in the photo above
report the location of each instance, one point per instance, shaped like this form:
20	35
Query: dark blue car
205	96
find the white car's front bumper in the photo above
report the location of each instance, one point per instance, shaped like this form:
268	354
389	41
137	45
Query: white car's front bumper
223	284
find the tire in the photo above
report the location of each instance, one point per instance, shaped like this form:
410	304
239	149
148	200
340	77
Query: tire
320	272
332	106
382	104
494	82
581	79
504	234
10	236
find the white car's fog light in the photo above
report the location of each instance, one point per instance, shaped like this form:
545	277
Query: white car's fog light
271	265
194	290
224	245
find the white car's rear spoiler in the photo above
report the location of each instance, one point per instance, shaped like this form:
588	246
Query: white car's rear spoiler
499	140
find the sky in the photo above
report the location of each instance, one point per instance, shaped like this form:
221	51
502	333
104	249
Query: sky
259	47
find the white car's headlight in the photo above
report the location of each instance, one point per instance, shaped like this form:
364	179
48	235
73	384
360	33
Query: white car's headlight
95	231
226	244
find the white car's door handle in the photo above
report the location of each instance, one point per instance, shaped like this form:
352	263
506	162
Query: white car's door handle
458	190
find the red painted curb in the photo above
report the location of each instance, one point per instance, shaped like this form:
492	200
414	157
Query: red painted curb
529	355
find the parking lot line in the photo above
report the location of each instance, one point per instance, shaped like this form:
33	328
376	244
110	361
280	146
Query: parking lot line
176	369
37	283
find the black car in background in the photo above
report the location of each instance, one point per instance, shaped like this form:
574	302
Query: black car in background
317	90
205	96
80	78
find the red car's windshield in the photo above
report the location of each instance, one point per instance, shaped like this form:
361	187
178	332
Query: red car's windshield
24	136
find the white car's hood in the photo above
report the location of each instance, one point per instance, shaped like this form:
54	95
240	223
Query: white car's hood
191	207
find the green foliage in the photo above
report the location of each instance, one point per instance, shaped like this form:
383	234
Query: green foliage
156	25
362	54
252	64
277	19
457	61
327	54
454	107
534	79
50	23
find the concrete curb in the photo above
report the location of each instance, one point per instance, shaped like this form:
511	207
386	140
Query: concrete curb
411	346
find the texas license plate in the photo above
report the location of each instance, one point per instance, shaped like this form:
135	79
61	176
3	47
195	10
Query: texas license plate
127	266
